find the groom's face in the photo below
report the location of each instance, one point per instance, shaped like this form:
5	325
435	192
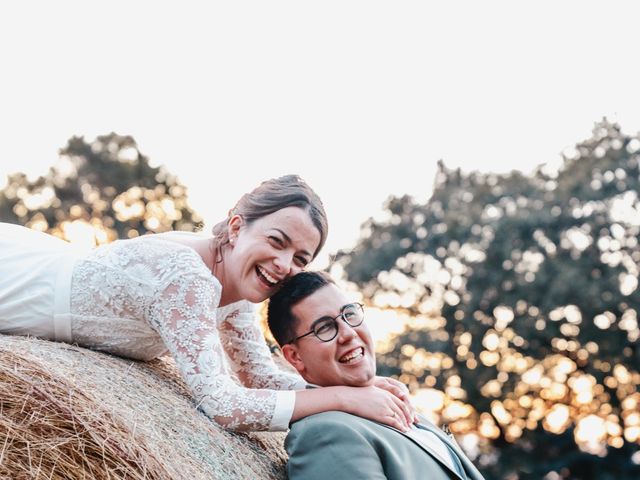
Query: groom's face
348	359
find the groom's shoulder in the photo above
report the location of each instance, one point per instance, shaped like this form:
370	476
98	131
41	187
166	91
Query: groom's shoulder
332	416
333	423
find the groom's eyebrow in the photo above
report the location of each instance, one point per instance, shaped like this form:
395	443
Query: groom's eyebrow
288	240
329	317
320	320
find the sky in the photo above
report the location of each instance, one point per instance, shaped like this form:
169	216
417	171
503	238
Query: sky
360	98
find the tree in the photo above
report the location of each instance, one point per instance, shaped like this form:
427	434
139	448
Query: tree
99	191
523	295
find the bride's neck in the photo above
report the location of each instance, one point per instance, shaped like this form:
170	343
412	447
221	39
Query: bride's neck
217	268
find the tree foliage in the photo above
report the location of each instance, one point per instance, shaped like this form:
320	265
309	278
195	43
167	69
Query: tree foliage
523	295
99	191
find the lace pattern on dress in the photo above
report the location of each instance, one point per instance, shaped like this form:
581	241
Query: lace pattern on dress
111	289
139	297
250	357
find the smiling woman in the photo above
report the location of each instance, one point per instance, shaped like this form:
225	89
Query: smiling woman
267	251
183	294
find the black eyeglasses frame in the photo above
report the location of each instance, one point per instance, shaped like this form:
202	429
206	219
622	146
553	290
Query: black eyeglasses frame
335	321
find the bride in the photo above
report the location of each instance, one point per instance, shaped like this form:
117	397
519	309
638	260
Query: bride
193	297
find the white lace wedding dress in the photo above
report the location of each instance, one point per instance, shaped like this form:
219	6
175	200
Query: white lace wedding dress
139	299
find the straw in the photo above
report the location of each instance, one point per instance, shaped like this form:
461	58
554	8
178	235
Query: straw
71	413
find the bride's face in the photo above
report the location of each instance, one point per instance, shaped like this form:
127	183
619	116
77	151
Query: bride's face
266	252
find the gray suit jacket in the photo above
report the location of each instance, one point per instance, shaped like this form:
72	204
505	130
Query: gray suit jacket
337	445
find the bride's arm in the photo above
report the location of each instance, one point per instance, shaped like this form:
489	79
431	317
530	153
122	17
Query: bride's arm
184	314
249	354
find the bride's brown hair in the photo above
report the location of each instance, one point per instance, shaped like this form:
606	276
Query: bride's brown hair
269	197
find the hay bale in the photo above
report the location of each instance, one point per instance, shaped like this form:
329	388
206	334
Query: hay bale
68	412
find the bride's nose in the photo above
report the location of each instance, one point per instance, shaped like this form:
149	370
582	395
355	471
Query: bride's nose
283	263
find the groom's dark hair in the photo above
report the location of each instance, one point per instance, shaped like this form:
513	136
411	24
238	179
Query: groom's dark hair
280	318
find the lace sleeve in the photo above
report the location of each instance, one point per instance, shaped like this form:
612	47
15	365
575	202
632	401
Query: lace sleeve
184	314
250	357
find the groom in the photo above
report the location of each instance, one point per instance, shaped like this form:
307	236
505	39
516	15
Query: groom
324	336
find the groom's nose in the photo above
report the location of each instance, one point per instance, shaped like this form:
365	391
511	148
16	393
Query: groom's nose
345	331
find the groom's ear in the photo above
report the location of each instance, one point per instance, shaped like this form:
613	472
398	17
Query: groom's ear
291	354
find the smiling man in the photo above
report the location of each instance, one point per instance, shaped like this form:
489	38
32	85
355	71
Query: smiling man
325	337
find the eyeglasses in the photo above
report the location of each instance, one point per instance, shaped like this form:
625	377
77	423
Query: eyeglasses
326	328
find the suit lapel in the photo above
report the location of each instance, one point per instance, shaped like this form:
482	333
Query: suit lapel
445	437
424	446
470	468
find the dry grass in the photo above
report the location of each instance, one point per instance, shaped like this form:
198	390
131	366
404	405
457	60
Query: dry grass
70	413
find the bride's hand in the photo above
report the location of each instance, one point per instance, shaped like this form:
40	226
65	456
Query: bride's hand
377	404
401	391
